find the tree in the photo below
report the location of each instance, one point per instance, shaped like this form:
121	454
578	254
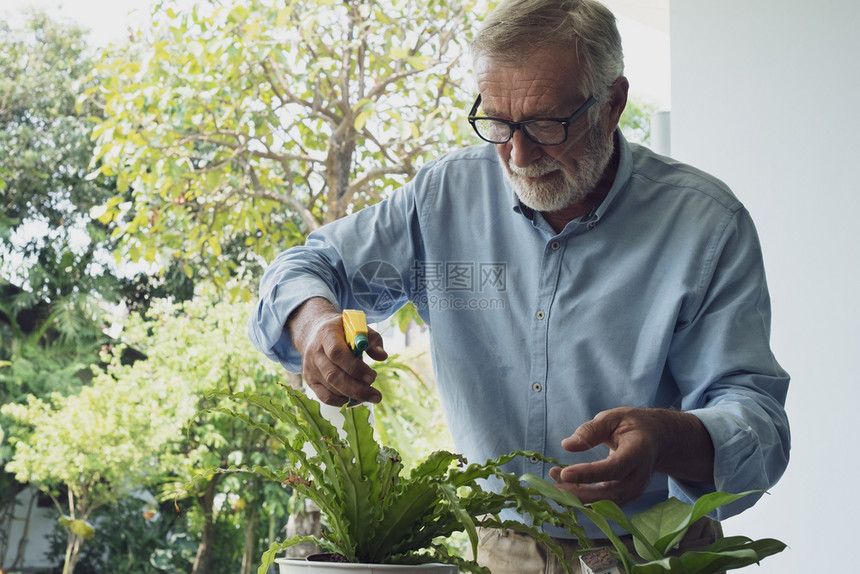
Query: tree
47	284
239	128
126	429
44	139
201	345
57	280
91	448
51	282
51	247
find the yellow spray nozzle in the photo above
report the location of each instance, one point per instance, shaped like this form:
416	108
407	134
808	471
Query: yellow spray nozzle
355	329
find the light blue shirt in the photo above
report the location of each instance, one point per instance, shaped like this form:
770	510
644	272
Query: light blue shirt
657	299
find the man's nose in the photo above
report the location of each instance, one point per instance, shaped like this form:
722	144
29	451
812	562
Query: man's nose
523	150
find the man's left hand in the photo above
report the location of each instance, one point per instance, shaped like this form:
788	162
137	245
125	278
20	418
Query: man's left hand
641	442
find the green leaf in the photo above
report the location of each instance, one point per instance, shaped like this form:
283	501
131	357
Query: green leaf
434	465
656	530
365	450
389	474
361	119
569	499
666	523
78	527
456	506
729	554
399	52
409	502
361	487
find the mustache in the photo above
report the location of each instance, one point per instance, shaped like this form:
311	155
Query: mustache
541	167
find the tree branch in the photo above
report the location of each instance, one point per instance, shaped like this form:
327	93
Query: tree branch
286	95
403	167
303	212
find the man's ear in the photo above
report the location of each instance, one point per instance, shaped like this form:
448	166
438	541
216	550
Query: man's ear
618	100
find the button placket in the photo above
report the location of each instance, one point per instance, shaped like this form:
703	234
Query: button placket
550	265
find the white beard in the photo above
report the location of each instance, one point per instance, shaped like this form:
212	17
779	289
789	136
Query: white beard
561	188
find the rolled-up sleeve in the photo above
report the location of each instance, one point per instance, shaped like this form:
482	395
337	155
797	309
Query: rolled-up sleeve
730	380
279	297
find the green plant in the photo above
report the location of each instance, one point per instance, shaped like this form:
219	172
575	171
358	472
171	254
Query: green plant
656	530
132	536
91	449
375	514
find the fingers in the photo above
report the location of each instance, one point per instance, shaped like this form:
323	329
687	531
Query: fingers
625	473
597	431
332	371
375	351
603	480
600	474
593	472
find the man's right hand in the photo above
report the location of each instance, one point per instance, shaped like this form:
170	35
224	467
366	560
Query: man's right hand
328	366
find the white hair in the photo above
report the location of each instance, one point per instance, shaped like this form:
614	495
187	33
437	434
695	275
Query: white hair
518	28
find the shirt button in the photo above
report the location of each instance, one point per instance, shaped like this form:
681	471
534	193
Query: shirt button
537	387
591	225
540	315
555	245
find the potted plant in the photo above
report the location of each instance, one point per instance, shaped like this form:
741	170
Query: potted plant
380	520
376	515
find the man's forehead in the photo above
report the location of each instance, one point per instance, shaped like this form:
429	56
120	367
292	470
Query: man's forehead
527	88
516	105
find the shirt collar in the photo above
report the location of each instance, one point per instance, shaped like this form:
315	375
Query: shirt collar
622	175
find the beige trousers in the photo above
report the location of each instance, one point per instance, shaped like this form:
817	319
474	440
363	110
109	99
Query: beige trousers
509	552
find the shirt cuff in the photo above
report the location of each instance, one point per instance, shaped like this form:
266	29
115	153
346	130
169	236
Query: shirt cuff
738	462
268	319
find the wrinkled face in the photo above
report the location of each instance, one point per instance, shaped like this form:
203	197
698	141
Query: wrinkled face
546	178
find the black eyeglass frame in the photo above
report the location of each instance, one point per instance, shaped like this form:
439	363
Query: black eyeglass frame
565	122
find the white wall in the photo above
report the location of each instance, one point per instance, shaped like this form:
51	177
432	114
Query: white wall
765	95
39	526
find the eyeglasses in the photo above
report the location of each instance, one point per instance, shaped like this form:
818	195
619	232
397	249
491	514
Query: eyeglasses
542	131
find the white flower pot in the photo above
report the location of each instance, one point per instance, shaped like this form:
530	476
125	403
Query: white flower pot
302	566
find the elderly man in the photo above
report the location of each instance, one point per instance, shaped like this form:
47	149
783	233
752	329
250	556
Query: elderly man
587	298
